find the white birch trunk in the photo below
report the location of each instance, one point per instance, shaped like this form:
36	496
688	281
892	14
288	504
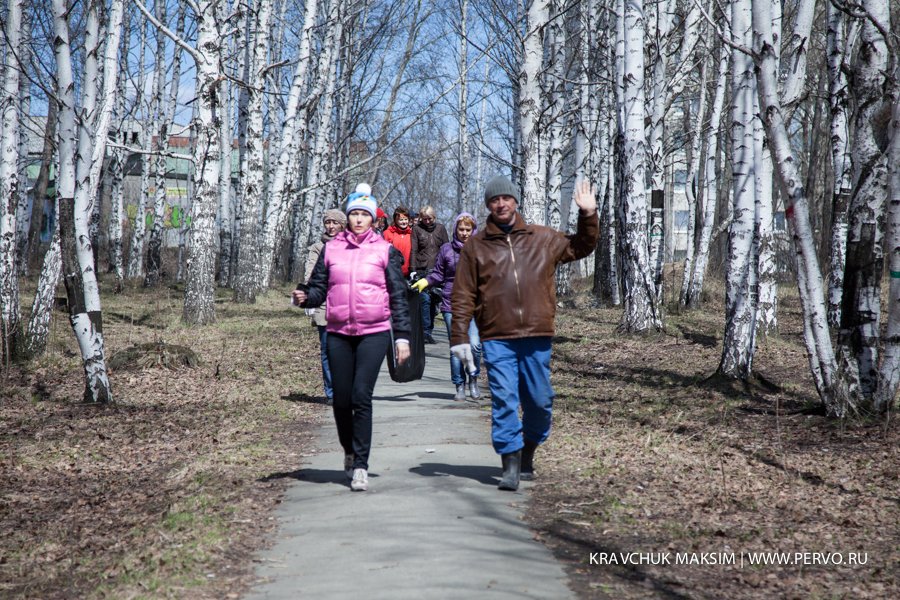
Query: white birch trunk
44	297
889	372
859	333
740	300
641	312
767	280
659	31
156	163
823	364
278	207
166	115
840	156
793	78
692	190
78	183
708	197
9	183
117	175
464	202
23	212
556	107
247	278
135	266
199	307
227	197
314	165
531	106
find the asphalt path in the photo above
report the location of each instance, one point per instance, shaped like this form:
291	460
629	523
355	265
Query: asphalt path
433	524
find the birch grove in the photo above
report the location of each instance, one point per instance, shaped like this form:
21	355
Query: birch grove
746	146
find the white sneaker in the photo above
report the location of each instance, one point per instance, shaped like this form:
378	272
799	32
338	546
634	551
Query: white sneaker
360	481
348	466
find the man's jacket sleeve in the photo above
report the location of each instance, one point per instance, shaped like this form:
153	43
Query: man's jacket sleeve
465	291
584	240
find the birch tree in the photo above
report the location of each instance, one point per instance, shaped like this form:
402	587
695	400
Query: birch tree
23	208
692	190
199	307
710	180
166	116
464	201
247	278
277	208
823	364
78	181
317	175
740	302
658	31
115	250
836	50
859	332
9	183
531	106
639	292
889	371
201	260
135	266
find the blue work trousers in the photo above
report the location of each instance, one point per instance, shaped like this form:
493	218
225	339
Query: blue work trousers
519	374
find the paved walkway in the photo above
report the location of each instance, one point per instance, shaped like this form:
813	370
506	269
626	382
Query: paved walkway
432	525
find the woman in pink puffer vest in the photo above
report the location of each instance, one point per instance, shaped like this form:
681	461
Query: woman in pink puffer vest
359	277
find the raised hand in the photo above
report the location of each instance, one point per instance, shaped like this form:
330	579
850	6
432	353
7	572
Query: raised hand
586	197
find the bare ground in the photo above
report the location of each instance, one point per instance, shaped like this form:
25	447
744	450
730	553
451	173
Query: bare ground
651	454
168	493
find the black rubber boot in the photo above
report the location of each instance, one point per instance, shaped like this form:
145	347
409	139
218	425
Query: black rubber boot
527	473
511	464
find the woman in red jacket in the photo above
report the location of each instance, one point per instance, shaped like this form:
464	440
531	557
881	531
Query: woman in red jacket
400	235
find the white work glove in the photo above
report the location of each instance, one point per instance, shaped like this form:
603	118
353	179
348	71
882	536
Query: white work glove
464	353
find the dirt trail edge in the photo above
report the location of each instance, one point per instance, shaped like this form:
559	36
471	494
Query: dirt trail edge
432	525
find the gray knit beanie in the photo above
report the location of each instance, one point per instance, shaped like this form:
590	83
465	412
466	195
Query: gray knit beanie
500	186
336	215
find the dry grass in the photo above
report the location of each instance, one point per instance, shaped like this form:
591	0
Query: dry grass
165	493
651	454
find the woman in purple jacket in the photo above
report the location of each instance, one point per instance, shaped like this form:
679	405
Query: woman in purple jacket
359	277
443	274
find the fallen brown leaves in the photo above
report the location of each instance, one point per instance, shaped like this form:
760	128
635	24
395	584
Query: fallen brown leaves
167	492
649	454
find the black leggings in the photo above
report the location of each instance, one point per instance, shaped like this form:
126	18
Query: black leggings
355	361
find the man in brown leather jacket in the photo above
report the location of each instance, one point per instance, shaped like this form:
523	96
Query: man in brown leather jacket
505	280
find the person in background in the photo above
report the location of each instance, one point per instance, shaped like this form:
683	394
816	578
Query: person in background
381	222
506	281
334	222
399	234
443	275
427	238
358	274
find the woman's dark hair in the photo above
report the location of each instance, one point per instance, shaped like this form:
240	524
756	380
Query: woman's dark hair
401	210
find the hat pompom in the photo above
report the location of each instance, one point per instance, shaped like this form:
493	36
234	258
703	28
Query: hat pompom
364	189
